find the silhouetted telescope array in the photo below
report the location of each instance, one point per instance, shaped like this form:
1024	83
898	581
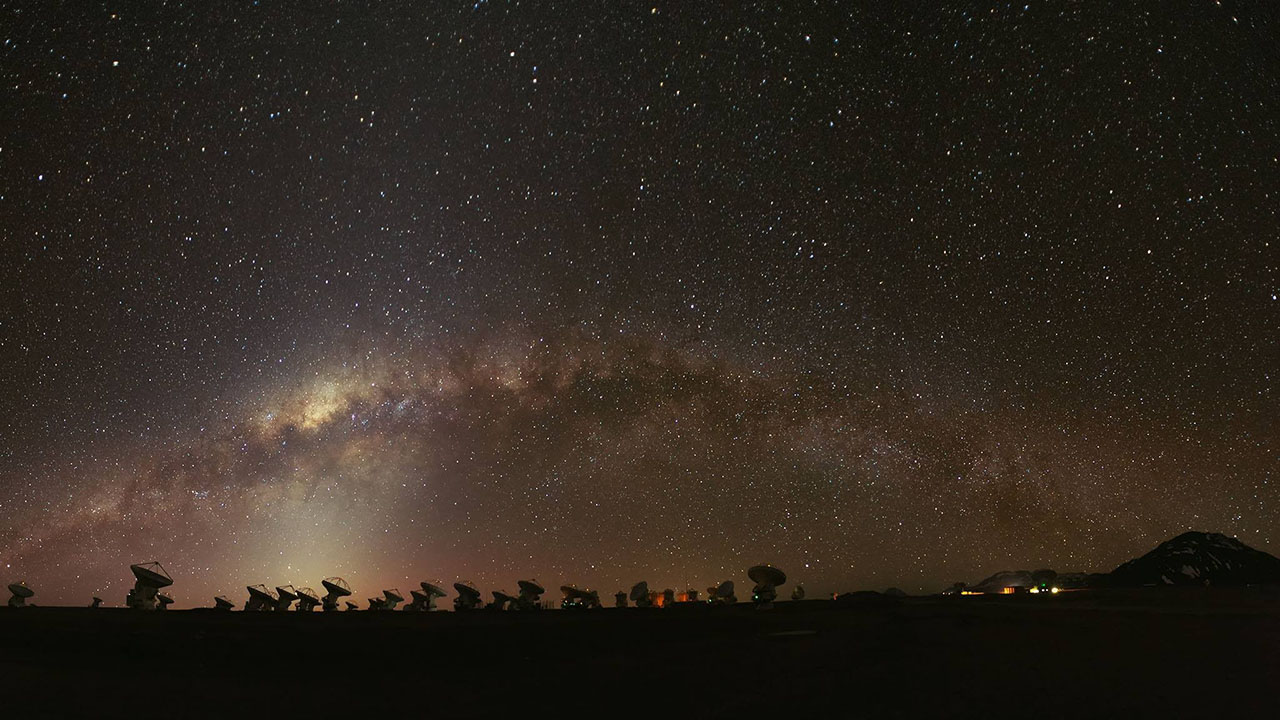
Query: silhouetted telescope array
501	601
722	594
640	594
308	600
20	593
767	579
261	598
151	578
337	589
576	598
468	597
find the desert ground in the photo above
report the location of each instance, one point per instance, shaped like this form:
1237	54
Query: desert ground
1158	652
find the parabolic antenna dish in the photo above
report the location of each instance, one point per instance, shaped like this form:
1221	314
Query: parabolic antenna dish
419	596
432	590
466	590
393	595
573	592
639	591
309	595
337	586
20	589
725	589
151	574
288	593
221	603
261	593
531	587
766	575
502	598
164	599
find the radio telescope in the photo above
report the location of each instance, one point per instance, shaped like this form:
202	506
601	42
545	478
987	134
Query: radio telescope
501	601
97	602
260	598
164	601
284	597
419	602
722	595
222	604
150	578
797	593
668	598
767	579
468	597
432	592
308	600
576	598
20	594
530	597
352	607
690	595
337	589
640	594
376	603
620	599
390	599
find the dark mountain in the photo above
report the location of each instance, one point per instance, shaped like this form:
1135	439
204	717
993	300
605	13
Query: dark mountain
1044	578
1004	579
1197	558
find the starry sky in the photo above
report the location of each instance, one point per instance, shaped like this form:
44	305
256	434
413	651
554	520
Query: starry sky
598	292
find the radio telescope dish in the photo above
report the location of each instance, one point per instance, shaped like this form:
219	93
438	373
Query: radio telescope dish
640	594
668	598
620	599
336	588
260	598
285	597
20	594
578	598
97	602
419	602
390	599
767	579
223	604
308	600
501	601
468	597
376	603
150	577
164	600
352	607
767	575
530	597
722	594
430	592
153	573
797	593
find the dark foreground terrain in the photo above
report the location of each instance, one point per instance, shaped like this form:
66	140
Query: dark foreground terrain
1145	653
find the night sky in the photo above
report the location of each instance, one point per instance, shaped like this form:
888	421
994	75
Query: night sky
607	291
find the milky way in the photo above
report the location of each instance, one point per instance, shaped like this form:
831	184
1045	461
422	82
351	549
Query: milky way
591	294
